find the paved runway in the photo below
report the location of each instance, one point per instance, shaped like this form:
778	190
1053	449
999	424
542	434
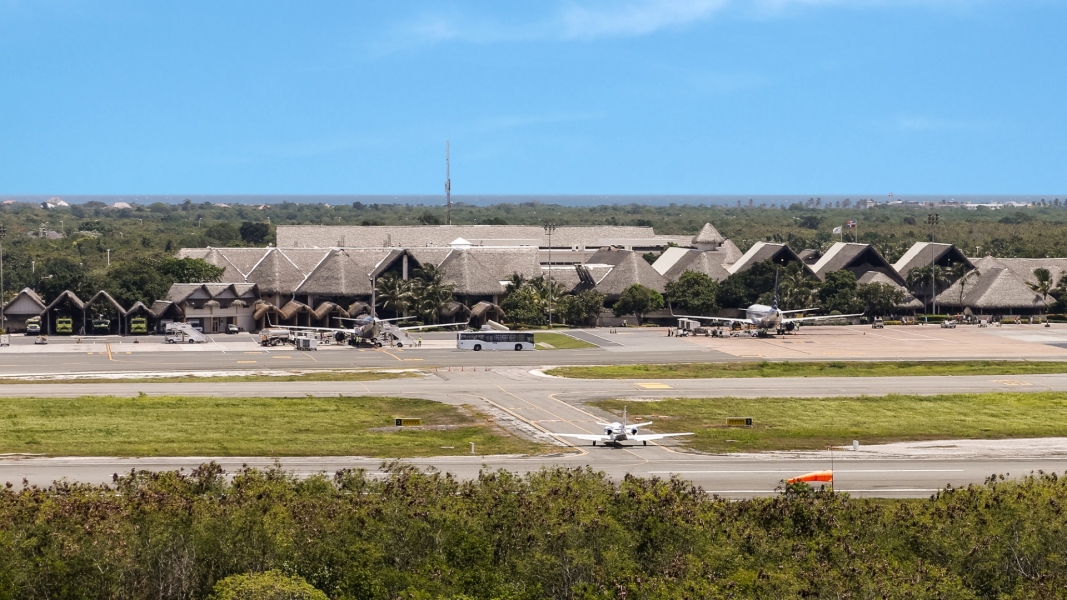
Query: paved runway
508	386
534	406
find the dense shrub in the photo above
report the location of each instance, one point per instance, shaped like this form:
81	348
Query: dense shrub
555	534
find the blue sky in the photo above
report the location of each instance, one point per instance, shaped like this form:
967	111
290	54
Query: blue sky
542	97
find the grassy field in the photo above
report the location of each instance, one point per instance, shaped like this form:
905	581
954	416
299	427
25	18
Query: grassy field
179	426
560	341
808	369
814	423
323	375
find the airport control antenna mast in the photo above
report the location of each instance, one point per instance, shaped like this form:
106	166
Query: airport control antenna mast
448	184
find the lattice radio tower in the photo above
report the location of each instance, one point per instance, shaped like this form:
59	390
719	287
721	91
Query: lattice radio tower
448	184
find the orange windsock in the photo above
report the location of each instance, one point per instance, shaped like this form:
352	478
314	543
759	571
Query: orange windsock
813	476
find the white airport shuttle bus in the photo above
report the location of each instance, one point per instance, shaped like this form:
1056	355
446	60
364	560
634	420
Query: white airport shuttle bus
494	340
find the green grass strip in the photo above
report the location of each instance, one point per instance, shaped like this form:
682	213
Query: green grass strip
809	369
815	423
561	341
180	426
323	375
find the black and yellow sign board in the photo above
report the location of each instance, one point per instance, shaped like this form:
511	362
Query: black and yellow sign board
407	422
739	421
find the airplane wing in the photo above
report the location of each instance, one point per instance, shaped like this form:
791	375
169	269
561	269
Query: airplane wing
414	327
820	318
717	319
299	328
649	437
639	424
584	436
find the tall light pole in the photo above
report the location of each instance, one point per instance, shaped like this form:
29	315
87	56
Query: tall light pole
932	220
549	228
3	320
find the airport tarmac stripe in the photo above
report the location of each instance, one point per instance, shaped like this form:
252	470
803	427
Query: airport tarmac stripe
838	471
247	362
653	386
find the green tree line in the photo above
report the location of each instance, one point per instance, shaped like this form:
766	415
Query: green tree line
555	533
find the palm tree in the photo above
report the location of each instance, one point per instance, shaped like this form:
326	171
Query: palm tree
961	273
394	293
430	293
919	280
1043	285
547	293
795	288
515	282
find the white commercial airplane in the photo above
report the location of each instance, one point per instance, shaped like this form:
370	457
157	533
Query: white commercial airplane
770	317
619	432
365	328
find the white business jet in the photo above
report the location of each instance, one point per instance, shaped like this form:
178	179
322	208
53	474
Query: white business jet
768	318
616	432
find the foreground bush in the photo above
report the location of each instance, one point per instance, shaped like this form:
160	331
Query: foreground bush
552	534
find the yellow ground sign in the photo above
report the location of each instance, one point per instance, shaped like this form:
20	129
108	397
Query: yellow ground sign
407	422
739	421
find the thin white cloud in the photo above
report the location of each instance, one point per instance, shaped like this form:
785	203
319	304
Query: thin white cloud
596	19
634	18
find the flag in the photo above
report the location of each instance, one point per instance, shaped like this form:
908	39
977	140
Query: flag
837	230
851	224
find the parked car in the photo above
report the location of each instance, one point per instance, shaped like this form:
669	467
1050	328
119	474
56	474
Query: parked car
878	323
948	324
232	329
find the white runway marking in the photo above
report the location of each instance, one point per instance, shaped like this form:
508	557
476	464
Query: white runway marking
801	469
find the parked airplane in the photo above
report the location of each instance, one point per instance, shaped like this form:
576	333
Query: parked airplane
366	328
619	432
770	317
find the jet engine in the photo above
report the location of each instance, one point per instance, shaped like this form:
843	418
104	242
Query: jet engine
633	431
608	431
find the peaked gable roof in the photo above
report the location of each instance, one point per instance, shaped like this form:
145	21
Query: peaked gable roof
629	269
921	253
858	258
276	274
708	235
761	251
470	276
1000	289
26	302
700	262
337	274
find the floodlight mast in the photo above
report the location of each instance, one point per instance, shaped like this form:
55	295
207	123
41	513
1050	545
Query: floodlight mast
448	183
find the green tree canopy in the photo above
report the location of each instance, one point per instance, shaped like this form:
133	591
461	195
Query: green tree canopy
745	288
879	299
694	293
269	585
637	300
582	308
255	234
838	293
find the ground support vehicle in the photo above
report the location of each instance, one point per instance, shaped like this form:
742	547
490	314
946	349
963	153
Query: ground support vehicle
306	343
33	326
494	340
65	325
178	333
139	326
948	324
101	326
273	337
878	323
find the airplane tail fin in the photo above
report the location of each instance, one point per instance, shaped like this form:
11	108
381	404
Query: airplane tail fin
774	305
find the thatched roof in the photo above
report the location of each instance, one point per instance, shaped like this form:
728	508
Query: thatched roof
629	269
487	310
111	300
699	261
26	302
264	308
858	258
922	253
324	309
998	290
68	296
470	275
708	235
337	274
761	251
358	308
139	307
276	273
455	310
1024	268
293	307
